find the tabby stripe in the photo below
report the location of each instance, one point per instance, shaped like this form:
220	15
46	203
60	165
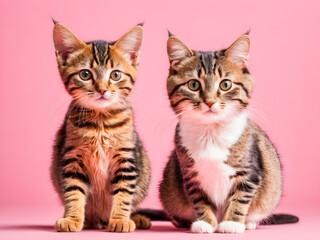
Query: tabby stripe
244	187
123	178
116	155
73	89
116	111
239	100
131	78
197	200
242	201
243	87
241	173
124	160
132	186
94	53
118	124
193	191
69	79
238	213
73	188
175	89
75	175
126	203
85	124
127	88
122	190
68	149
177	103
126	170
127	149
189	185
125	209
202	64
68	161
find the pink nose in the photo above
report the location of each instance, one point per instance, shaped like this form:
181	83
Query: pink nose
209	104
102	91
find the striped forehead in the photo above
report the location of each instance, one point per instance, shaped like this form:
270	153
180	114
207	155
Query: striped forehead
100	51
208	61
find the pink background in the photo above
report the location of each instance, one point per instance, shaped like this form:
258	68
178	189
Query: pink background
284	62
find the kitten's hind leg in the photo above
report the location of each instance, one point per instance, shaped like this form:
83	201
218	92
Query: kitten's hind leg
141	221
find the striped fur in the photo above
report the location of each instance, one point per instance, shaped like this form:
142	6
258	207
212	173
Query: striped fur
100	168
224	171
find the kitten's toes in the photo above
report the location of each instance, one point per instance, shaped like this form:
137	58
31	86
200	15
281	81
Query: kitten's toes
201	227
231	227
121	225
251	225
69	225
141	221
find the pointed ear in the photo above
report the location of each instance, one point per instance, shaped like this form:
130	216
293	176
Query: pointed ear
177	50
65	41
129	45
238	52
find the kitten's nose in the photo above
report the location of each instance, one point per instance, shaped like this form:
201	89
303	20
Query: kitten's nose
102	91
209	104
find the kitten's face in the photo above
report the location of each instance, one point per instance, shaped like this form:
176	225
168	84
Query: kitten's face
209	87
98	75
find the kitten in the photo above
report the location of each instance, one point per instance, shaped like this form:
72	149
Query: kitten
224	173
100	168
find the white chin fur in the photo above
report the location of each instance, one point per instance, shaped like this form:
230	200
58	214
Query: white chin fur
201	227
231	227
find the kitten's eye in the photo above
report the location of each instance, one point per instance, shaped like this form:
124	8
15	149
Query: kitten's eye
115	75
194	85
225	85
85	75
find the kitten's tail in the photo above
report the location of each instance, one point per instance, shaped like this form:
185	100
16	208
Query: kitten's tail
160	215
154	215
280	219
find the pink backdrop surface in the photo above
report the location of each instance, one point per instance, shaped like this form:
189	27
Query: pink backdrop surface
284	62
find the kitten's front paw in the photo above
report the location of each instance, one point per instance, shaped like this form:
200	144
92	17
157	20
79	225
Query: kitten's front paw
251	225
201	227
121	225
69	225
231	227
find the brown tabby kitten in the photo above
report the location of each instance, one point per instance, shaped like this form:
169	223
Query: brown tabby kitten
224	173
99	168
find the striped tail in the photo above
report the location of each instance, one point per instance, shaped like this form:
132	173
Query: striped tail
280	219
154	215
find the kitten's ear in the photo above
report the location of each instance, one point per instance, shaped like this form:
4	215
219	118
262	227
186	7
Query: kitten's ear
238	52
129	44
65	41
177	50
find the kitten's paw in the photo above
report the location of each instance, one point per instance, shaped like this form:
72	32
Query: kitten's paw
121	225
200	226
141	221
231	227
69	225
251	225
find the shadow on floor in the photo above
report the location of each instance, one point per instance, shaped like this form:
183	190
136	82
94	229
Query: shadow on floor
46	228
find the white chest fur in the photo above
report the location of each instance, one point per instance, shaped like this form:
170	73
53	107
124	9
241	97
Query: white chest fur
209	146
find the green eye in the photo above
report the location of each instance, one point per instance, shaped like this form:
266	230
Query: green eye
225	85
115	75
194	85
85	75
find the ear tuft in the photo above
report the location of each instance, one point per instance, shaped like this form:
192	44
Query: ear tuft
170	34
238	52
130	44
54	21
177	50
65	41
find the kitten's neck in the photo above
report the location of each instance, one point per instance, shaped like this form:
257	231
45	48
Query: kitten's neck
211	141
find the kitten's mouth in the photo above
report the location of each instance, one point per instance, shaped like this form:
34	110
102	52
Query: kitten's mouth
210	112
